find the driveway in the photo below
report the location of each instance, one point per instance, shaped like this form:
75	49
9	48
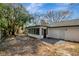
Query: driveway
53	40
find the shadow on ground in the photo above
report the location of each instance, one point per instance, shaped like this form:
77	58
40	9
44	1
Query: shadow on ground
53	40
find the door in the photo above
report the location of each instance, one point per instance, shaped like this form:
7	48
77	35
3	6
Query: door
44	35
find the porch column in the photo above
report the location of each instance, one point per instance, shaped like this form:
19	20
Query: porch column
40	32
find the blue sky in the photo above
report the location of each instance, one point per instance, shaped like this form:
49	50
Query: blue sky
45	7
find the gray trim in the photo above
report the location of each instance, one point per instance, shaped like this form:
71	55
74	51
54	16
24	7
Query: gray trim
64	26
37	26
54	26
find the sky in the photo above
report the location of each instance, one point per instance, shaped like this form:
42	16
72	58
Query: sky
42	8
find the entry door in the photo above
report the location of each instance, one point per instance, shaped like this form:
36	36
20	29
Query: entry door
44	35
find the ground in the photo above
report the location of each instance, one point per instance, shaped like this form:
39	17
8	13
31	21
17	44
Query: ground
27	46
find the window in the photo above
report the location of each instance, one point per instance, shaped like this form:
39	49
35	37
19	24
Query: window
34	31
37	31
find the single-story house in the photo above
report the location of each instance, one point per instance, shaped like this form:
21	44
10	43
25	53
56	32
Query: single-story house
38	31
66	30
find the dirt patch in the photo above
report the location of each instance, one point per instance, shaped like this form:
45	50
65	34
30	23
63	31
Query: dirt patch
26	46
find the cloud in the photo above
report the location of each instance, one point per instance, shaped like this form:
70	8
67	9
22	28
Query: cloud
43	8
35	8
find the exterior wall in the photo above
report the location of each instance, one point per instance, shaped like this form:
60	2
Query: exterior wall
40	36
66	33
72	34
36	36
56	33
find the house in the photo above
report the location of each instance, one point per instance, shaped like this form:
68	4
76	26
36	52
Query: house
38	31
66	30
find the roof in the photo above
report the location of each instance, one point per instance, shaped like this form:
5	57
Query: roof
36	26
70	23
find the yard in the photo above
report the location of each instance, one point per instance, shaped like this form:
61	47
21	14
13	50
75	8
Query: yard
27	46
16	19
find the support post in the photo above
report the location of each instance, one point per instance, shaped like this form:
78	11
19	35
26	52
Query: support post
40	31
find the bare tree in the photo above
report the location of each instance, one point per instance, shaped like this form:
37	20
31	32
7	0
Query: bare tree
57	16
51	16
37	18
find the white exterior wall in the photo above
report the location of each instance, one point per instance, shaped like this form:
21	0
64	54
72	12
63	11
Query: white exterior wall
66	33
40	36
36	36
56	33
72	34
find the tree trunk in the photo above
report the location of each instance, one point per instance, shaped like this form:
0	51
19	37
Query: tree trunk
13	32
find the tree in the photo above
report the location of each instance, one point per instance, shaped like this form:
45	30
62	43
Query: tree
13	16
37	18
56	16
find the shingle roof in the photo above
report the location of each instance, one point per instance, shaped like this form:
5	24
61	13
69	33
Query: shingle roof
70	23
65	23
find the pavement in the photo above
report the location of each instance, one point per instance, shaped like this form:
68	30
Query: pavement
53	40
